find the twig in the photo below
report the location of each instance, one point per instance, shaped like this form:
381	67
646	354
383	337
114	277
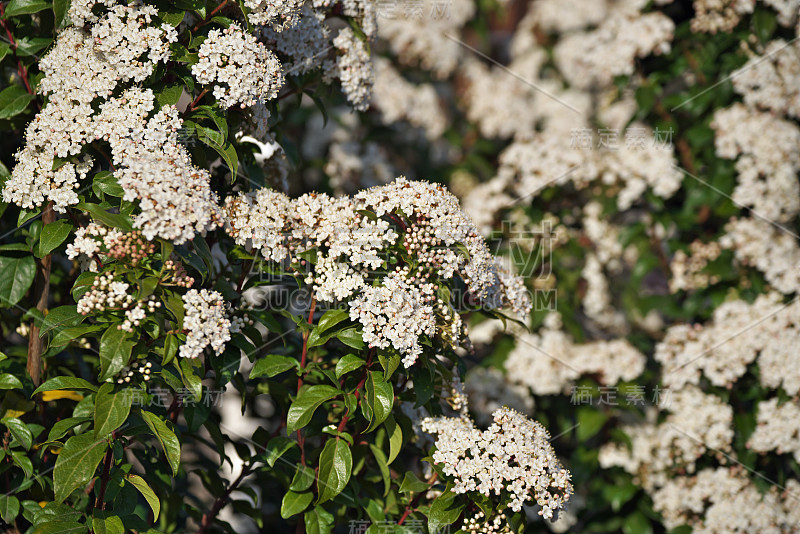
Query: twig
209	516
41	291
300	439
209	17
413	504
99	502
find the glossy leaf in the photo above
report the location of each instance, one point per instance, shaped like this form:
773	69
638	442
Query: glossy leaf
307	402
167	438
335	468
111	409
77	463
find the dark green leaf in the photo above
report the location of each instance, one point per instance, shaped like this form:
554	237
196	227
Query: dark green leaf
25	7
347	363
14	100
276	448
53	235
19	430
167	438
307	402
395	435
60	11
379	397
115	351
9	508
303	478
62	316
318	521
293	503
108	525
273	364
61	527
9	381
590	421
444	511
351	337
111	409
335	468
16	276
77	463
60	428
412	484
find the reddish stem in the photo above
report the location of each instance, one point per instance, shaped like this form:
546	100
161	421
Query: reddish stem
300	439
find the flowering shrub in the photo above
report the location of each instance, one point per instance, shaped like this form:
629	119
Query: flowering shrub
232	299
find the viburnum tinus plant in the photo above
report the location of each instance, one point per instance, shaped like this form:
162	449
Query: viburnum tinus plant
142	220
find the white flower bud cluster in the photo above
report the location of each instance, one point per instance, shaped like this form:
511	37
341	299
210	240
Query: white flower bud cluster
206	322
280	14
353	68
480	524
135	315
106	293
713	16
127	373
242	70
513	458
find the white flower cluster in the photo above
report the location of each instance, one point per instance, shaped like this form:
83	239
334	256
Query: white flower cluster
724	501
549	362
307	42
350	245
697	423
397	99
241	68
107	293
513	457
83	66
280	14
766	332
353	68
206	322
768	152
772	81
595	57
778	428
395	314
687	269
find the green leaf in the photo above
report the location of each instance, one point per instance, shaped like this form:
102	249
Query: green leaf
105	182
70	334
444	511
389	364
149	495
60	428
303	478
331	318
618	495
307	402
19	430
117	220
637	523
335	467
77	463
115	351
276	448
60	11
63	316
61	527
53	235
293	503
9	381
16	276
347	363
590	421
29	46
111	409
318	521
25	7
13	100
273	364
5	48
222	146
379	399
395	434
64	382
167	438
412	484
108	525
383	466
351	337
170	95
9	508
